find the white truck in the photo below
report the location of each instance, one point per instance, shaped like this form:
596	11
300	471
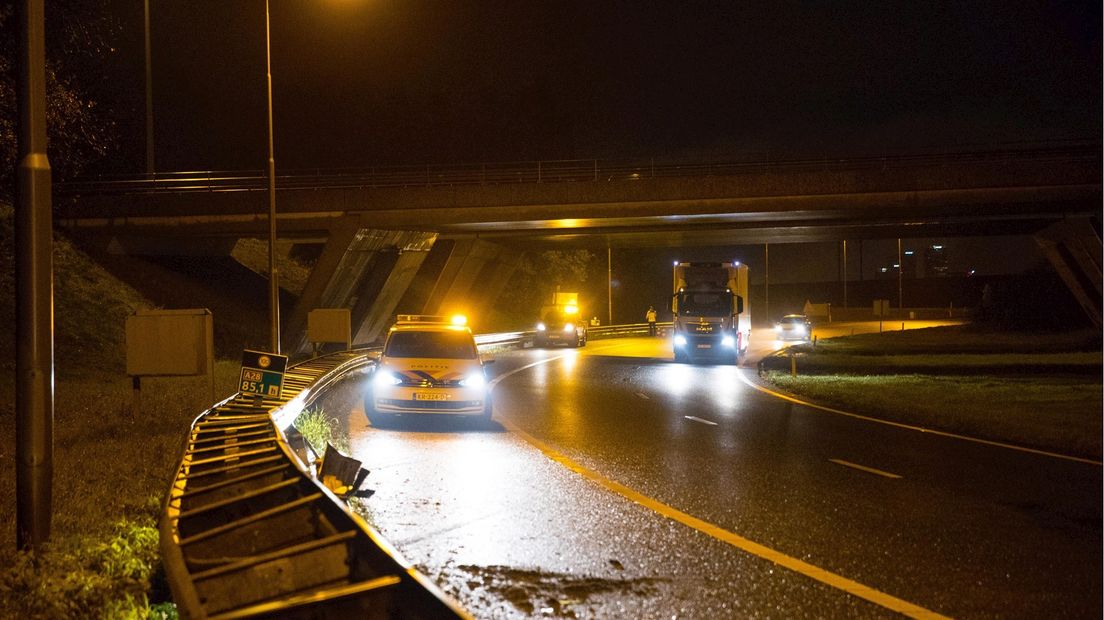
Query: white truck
712	317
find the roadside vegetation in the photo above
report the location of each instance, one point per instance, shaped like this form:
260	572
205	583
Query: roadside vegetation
111	463
1037	390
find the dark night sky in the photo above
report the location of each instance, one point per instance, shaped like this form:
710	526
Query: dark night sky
362	82
370	82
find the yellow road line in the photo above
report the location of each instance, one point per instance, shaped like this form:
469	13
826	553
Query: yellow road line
828	578
804	568
919	429
870	470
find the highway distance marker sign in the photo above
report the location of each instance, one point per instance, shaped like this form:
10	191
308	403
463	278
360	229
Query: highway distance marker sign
262	373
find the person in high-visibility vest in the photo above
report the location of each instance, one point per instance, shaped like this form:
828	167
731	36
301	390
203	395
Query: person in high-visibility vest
651	316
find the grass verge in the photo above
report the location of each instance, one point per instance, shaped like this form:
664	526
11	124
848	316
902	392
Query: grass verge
1049	413
1023	389
320	429
111	471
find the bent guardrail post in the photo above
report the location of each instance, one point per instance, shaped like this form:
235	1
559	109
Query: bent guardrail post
246	531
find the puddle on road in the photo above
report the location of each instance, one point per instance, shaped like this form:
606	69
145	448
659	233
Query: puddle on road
514	592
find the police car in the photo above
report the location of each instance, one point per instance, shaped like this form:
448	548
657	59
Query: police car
429	365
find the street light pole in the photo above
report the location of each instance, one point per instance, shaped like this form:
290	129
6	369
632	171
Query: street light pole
273	280
766	279
845	274
149	97
34	290
900	271
609	283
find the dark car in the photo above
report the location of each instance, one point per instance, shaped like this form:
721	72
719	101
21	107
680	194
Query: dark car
559	327
793	327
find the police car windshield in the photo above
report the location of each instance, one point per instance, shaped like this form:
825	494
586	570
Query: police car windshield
705	303
456	345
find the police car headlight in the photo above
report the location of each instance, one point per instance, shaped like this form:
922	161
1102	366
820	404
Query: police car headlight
777	327
386	377
680	340
570	327
728	341
474	380
799	329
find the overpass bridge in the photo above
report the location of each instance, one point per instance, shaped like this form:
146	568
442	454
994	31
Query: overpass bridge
426	238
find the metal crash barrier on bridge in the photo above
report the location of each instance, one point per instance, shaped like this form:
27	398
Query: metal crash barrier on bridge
522	339
248	532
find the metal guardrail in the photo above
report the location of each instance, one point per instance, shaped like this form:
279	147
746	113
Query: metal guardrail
526	338
248	532
558	171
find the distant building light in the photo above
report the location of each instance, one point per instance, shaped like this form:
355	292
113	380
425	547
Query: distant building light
909	252
884	270
736	263
937	247
896	266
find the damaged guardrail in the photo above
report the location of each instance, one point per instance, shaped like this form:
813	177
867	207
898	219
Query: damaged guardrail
250	529
247	531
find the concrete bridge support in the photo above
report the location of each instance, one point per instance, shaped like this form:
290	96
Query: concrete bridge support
365	270
1073	247
462	274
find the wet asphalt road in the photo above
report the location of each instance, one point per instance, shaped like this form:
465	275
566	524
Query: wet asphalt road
953	527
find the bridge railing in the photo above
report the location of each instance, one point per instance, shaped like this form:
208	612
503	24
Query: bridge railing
553	171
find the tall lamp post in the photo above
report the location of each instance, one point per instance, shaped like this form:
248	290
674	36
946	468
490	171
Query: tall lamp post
149	95
34	292
273	280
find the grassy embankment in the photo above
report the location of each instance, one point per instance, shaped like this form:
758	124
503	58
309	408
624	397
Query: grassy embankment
111	464
1039	390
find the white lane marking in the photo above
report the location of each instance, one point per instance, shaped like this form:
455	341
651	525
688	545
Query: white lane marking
920	429
499	378
869	470
697	419
815	572
826	577
493	382
644	396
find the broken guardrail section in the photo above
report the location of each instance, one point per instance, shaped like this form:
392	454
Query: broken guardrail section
248	532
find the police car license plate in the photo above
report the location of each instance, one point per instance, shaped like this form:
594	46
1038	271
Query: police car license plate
705	346
429	396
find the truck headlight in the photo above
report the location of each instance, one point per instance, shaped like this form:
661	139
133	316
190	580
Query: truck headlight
540	327
570	327
728	341
680	340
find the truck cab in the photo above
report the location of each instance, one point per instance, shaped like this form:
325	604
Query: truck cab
710	317
561	323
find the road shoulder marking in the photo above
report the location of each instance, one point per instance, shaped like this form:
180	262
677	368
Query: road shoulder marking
869	470
828	578
816	573
919	429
